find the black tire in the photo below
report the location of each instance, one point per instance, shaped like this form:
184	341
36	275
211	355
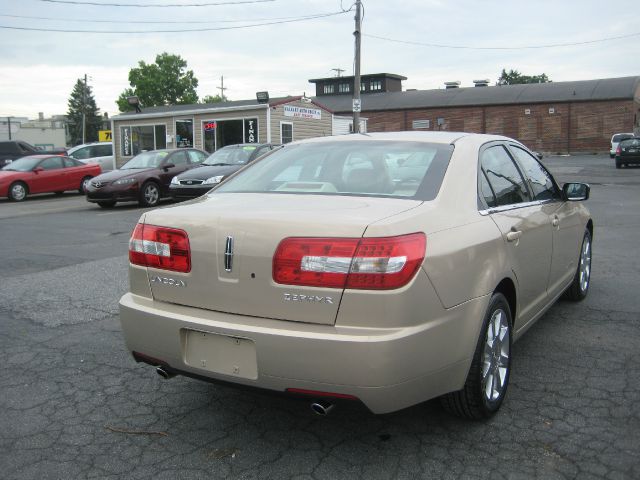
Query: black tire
618	164
83	185
149	194
490	363
18	191
107	204
579	288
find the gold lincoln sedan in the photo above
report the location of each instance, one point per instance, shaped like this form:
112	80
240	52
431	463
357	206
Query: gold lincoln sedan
385	268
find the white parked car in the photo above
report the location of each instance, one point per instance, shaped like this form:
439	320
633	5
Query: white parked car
616	139
96	152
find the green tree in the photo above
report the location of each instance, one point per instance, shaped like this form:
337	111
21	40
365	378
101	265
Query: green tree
165	82
81	101
212	99
514	77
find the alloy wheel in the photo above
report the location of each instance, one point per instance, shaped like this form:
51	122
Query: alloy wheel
495	358
18	192
585	264
151	194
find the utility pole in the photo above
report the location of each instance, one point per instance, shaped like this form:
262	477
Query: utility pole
84	110
9	124
357	105
338	71
222	88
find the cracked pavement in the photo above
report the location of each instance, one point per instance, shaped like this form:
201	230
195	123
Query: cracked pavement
74	404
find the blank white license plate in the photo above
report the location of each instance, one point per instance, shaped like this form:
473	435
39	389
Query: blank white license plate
221	354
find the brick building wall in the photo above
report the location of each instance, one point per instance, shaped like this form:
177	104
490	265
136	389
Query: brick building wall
546	127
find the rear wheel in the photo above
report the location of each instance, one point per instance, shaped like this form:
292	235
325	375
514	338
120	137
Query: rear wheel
18	191
149	194
108	204
488	377
582	279
84	184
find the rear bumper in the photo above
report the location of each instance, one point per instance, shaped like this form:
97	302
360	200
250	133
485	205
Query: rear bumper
387	369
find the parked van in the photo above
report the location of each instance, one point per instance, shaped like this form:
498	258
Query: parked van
96	152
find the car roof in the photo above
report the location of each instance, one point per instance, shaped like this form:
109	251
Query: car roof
430	137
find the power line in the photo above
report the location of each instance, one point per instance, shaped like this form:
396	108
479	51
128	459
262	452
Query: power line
157	5
527	47
300	19
138	22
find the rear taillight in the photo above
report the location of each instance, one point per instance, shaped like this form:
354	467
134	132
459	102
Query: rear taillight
618	150
160	247
380	263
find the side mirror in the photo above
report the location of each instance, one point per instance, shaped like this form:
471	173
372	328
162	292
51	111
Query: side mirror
38	170
167	166
538	155
576	192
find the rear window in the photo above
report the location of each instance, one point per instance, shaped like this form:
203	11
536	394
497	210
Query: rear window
631	142
620	136
364	168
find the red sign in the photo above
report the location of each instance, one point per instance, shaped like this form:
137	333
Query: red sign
210	126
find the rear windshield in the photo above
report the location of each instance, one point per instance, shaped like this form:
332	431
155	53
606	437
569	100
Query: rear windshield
230	156
620	136
363	168
631	142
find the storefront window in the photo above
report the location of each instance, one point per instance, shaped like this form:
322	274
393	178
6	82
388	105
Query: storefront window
220	133
134	140
184	133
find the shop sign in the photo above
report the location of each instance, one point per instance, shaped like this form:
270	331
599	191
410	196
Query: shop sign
302	112
104	135
209	126
250	130
126	141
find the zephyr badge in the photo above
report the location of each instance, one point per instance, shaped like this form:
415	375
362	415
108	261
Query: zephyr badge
228	254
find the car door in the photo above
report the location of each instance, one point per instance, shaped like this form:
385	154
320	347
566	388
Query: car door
74	173
524	224
50	178
103	154
564	216
180	163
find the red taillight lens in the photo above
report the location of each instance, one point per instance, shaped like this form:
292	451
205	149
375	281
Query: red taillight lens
160	247
380	263
618	150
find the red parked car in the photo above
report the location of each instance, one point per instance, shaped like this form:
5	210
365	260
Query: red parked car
44	174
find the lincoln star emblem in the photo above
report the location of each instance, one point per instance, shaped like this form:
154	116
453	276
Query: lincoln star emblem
228	254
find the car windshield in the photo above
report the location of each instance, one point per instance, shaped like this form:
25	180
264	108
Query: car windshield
145	160
230	156
620	136
377	168
24	164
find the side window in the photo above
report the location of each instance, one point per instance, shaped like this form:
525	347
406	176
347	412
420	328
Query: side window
541	181
81	154
178	158
102	151
504	177
486	192
51	163
196	157
68	162
286	132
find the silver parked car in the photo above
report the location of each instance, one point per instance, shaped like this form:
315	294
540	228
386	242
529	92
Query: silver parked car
319	271
96	152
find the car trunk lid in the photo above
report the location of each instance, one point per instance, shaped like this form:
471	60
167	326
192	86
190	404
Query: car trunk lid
233	238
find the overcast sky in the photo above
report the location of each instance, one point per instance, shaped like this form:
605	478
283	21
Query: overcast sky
38	69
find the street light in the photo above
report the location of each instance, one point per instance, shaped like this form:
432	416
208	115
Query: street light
134	101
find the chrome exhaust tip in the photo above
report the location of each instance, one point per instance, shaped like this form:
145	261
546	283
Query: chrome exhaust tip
164	374
321	408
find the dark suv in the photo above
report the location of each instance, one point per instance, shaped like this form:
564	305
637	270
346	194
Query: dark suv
216	168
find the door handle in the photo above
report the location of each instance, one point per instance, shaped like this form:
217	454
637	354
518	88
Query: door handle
555	222
514	235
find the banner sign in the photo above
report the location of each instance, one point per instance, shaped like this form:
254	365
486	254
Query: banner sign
302	112
125	141
104	135
250	130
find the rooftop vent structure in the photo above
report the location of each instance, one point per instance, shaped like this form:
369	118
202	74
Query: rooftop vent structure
450	85
481	83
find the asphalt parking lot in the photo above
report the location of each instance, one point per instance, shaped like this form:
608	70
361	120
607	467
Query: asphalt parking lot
73	403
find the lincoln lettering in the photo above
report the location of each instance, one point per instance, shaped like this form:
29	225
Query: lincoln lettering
296	297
